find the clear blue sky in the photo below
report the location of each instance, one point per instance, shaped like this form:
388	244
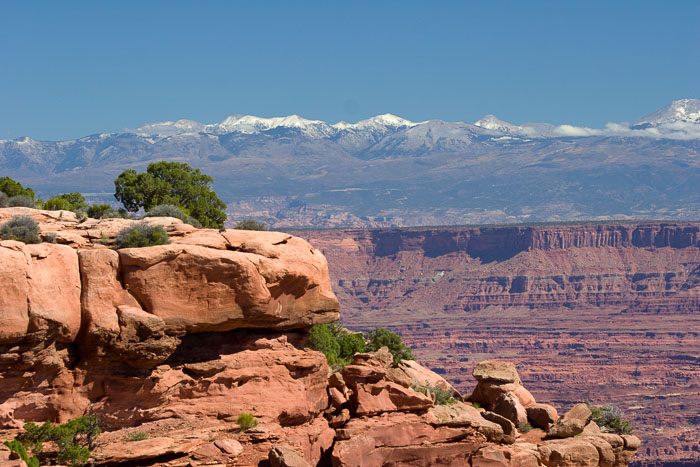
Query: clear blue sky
75	68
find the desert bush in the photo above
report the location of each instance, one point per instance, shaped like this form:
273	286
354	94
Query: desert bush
250	224
336	343
246	421
476	405
136	436
74	439
524	427
57	204
21	228
105	211
609	419
439	395
21	201
74	201
4	200
381	337
142	235
170	210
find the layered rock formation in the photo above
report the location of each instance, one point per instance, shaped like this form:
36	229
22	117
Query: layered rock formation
600	313
174	342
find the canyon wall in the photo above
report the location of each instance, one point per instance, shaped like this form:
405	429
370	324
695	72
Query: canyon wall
604	313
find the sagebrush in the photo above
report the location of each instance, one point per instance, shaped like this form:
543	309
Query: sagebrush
610	419
440	396
142	235
21	201
22	229
170	210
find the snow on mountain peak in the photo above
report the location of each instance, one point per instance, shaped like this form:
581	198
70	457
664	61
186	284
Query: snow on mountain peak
683	110
491	122
252	124
379	122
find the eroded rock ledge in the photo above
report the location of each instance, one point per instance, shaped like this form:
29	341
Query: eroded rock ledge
177	340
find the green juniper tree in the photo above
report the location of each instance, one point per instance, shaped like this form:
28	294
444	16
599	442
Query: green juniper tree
171	183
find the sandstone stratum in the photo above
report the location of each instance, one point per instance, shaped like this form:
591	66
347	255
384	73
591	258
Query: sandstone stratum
174	342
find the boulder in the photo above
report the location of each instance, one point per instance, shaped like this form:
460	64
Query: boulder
461	414
509	430
572	423
422	376
230	447
572	452
132	452
497	371
403	439
40	298
284	456
542	415
385	396
337	398
510	407
201	289
340	419
606	455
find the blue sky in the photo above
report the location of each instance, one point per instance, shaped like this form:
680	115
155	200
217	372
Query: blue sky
76	68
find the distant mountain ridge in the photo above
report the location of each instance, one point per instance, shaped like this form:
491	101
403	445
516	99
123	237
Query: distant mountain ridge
386	170
682	111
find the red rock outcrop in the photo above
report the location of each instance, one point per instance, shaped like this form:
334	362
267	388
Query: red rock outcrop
600	313
199	330
172	343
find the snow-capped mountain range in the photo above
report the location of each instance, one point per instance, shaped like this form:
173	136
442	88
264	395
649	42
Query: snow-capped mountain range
387	170
678	120
249	124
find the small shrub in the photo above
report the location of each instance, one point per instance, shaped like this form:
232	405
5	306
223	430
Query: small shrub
476	405
524	427
250	224
336	343
381	337
74	439
49	237
57	204
142	235
4	200
246	421
74	201
136	436
439	395
21	228
170	210
609	419
21	201
105	211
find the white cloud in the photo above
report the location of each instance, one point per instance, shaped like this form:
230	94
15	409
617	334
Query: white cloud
570	130
673	130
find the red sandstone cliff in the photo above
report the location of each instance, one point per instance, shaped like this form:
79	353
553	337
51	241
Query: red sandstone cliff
604	313
177	340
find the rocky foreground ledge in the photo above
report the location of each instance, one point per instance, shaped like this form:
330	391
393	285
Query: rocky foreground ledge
173	342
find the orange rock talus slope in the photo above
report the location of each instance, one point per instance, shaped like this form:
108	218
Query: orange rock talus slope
176	341
601	313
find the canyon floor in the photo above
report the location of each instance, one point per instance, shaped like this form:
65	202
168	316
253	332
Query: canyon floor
605	314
